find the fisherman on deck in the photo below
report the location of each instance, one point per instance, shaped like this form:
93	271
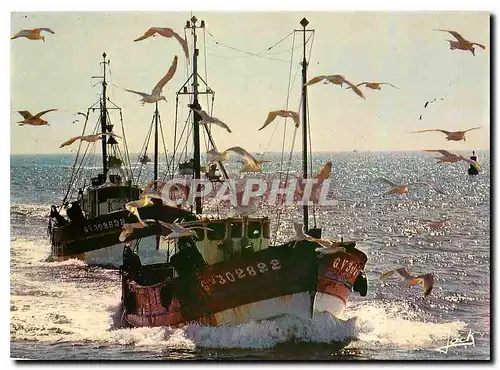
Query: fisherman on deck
473	168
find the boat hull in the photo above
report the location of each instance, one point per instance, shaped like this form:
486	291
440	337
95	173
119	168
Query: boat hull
95	240
282	280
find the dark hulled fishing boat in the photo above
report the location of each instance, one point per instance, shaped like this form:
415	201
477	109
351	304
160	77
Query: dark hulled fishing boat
96	217
230	273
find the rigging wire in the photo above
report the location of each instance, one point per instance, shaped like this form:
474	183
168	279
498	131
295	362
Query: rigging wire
260	55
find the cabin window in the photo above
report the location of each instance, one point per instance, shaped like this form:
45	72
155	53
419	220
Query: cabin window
219	231
267	230
236	230
254	230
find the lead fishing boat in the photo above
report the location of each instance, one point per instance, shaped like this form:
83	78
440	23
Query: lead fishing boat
95	217
230	273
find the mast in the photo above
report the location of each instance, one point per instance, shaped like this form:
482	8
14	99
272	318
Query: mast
155	164
103	118
196	116
304	22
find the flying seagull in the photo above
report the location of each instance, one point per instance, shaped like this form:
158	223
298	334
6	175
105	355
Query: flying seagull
450	135
88	138
375	85
155	93
128	229
336	80
427	280
216	156
461	43
327	246
33	120
282	113
205	118
33	34
403	188
179	231
452	157
166	32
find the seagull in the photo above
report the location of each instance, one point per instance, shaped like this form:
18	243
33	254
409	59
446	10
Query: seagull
82	114
403	188
179	231
89	138
215	156
336	80
375	85
452	157
431	101
461	43
282	113
450	135
76	120
35	120
134	205
205	118
328	247
166	32
438	224
155	93
33	34
427	280
321	176
128	229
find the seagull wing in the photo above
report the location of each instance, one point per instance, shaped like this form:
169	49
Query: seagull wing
43	29
442	151
474	128
295	117
25	114
204	115
361	84
455	35
386	274
404	273
480	45
138	93
167	225
419	131
110	134
199	227
171	71
70	141
431	186
246	156
83	114
270	117
38	115
221	124
150	32
314	80
427	281
184	45
355	89
324	172
387	181
387	83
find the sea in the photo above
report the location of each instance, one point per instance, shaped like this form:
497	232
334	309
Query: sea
68	310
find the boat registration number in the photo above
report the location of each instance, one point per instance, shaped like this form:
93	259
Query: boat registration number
104	225
240	273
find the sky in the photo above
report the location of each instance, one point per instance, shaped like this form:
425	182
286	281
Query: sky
396	47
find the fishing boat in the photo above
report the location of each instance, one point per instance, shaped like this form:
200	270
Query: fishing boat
95	217
473	169
231	271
